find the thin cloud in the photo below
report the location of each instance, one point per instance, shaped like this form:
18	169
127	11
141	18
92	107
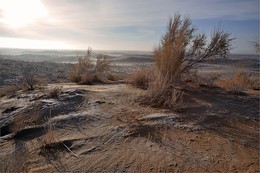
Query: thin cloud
114	23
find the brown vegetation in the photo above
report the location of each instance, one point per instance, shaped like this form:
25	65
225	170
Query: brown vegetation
29	78
54	93
140	78
178	53
208	79
87	72
9	90
239	82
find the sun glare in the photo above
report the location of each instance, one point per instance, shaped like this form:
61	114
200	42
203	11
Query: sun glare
20	13
32	44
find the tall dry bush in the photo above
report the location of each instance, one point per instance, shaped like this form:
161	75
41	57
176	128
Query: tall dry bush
29	78
179	51
83	66
102	64
181	48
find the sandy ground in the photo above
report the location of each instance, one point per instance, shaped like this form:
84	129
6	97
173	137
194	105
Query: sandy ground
101	128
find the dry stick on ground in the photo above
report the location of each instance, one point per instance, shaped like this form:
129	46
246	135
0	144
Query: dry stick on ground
72	153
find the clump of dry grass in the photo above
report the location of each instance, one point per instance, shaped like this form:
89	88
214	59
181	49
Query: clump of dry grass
49	136
87	72
208	79
22	121
162	94
54	93
9	90
140	78
239	82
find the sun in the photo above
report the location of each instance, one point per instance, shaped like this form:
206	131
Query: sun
20	13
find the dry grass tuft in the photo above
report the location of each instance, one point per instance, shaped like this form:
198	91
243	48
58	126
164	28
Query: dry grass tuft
55	92
49	136
22	121
208	79
140	78
9	90
161	94
239	82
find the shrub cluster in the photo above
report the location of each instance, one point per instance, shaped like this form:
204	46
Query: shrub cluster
239	82
88	72
178	53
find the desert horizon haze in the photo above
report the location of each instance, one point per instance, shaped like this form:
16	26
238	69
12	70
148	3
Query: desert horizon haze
119	25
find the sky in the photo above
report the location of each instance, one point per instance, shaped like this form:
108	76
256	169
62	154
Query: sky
120	24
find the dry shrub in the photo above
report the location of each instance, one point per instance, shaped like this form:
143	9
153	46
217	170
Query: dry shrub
179	52
82	67
162	94
87	72
239	82
112	77
55	92
87	78
22	121
9	90
181	49
102	64
49	136
29	78
208	79
73	75
140	78
254	82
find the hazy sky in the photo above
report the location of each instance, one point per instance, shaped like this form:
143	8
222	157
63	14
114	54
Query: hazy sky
120	24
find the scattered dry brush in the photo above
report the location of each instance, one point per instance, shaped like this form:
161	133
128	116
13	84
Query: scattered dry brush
87	72
239	82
